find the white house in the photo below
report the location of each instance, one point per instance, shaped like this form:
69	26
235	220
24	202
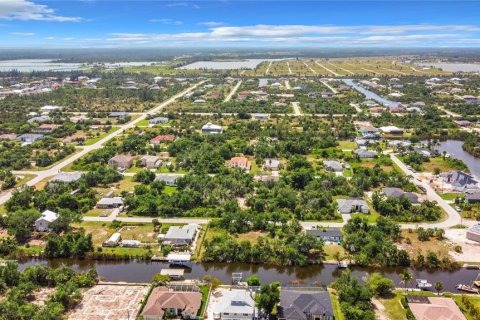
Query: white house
42	224
235	304
211	128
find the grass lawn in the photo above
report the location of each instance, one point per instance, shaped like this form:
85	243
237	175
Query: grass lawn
142	123
40	185
439	162
331	250
347	145
336	306
95	212
205	290
100	231
251	236
25	178
169	190
95	139
141	232
461	305
394	308
449	196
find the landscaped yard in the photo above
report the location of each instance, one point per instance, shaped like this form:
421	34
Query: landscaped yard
336	306
95	139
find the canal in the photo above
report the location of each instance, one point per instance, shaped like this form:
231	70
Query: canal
454	148
370	95
142	271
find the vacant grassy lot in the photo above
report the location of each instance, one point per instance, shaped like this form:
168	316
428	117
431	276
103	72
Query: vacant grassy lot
440	247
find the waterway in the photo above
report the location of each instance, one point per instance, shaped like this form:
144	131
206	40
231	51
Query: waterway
370	95
454	148
143	271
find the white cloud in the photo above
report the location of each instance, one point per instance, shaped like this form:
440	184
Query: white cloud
167	21
23	34
28	10
332	35
210	23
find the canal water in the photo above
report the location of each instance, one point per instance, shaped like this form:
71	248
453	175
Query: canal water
370	95
454	148
143	271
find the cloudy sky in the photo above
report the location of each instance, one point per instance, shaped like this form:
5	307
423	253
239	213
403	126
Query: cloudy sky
136	23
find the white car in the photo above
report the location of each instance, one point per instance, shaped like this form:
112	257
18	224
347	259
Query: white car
458	209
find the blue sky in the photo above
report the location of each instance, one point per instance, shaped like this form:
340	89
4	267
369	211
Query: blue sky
100	23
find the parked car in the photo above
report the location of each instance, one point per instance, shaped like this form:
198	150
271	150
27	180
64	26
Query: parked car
458	209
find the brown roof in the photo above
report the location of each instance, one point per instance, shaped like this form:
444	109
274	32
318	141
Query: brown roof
437	309
161	298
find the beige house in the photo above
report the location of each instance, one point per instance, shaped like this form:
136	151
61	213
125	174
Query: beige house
151	162
181	304
123	161
240	162
434	308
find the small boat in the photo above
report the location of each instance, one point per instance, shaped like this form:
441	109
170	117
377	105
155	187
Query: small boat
423	284
466	288
343	265
472	267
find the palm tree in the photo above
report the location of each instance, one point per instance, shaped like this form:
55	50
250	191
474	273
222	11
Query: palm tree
438	287
406	278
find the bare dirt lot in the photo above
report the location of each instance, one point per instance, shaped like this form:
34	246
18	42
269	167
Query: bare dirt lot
110	302
470	249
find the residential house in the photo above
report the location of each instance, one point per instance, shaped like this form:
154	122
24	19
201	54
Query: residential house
471	99
164	302
113	240
123	161
8	136
434	308
473	197
305	305
162	138
352	205
40	119
271	164
151	162
118	115
235	304
463	123
369	132
50	108
459	180
110	203
211	128
399	193
333	166
365	154
44	128
391	130
42	224
240	162
30	137
181	236
260	116
327	234
158	120
267	179
170	179
67	177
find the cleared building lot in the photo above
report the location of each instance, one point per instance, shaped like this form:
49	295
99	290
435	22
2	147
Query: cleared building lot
110	302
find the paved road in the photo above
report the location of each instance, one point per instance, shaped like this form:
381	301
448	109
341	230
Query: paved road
329	70
287	85
230	95
147	220
325	83
453	216
289	69
268	68
40	175
314	72
296	109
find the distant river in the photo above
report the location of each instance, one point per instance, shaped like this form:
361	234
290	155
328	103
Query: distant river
453	67
370	95
454	148
29	65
